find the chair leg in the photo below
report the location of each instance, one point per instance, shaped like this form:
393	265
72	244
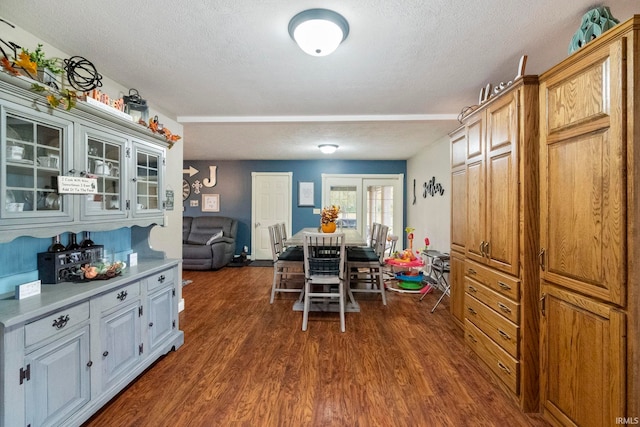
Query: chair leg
305	311
341	299
275	283
381	286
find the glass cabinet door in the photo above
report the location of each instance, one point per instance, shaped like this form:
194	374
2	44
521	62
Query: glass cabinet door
35	155
149	172
104	157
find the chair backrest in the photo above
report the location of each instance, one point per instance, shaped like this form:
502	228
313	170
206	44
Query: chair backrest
381	242
373	236
276	241
283	232
393	240
324	254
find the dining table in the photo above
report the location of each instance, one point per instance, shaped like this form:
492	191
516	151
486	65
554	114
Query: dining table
352	238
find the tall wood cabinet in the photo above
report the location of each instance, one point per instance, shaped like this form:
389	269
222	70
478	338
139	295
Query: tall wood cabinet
495	188
458	222
589	201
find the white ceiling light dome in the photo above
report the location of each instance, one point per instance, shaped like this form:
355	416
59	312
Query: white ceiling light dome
318	32
328	148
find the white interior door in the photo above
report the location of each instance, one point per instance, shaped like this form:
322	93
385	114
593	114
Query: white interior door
270	204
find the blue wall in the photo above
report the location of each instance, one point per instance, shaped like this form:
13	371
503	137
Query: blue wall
234	186
19	260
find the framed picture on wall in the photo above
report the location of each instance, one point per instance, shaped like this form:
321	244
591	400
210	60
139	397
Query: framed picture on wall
210	203
305	194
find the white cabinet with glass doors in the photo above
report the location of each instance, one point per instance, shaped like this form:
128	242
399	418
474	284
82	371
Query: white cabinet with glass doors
39	144
37	150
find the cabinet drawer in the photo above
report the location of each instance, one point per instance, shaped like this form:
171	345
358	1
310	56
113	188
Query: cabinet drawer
504	366
160	279
119	296
501	283
55	323
501	304
499	329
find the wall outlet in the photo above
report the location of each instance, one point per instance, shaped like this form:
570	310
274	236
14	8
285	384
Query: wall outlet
316	211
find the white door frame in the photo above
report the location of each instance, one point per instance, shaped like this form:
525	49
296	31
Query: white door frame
254	224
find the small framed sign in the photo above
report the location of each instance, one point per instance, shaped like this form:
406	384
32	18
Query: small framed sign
169	200
77	185
305	194
210	203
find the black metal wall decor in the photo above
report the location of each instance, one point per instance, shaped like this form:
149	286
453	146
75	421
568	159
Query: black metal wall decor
82	74
432	188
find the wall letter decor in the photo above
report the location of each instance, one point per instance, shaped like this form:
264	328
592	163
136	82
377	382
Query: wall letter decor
432	188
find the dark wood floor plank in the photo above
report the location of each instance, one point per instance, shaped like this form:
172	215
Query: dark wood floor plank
246	362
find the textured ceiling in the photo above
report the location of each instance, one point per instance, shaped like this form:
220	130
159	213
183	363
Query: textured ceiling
228	70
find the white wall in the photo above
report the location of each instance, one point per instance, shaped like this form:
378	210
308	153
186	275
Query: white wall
430	216
169	238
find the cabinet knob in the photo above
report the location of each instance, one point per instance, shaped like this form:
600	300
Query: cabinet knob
161	279
471	310
151	325
471	271
472	289
89	364
105	354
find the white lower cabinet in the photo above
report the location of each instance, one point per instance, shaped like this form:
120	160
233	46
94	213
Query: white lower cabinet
57	382
78	345
121	344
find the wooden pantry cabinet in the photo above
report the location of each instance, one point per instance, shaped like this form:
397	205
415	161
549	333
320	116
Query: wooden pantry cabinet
495	235
589	206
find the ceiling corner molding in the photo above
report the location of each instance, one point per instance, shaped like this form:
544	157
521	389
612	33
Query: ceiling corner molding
311	119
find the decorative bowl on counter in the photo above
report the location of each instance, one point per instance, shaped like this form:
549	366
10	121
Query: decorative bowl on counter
102	270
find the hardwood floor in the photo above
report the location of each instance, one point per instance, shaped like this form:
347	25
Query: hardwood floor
247	362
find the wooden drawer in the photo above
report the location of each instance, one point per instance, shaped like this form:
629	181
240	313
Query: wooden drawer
160	279
499	329
119	296
55	323
501	364
503	284
501	304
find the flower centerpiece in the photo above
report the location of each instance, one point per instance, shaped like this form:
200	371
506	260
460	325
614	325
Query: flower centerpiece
328	218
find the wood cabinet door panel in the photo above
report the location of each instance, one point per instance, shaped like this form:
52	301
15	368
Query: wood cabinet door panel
583	177
582	378
502	185
475	211
459	210
579	98
475	137
456	279
502	213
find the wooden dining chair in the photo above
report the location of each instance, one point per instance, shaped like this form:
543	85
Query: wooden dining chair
288	275
324	269
365	266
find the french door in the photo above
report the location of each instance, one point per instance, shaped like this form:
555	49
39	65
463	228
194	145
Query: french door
365	199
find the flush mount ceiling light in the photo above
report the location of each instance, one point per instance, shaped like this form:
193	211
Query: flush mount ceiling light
318	32
328	148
